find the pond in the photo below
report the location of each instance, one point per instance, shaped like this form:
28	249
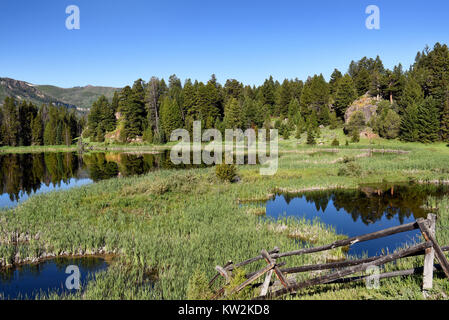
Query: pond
29	281
23	175
357	212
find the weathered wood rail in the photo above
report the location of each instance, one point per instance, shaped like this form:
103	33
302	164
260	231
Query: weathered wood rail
342	270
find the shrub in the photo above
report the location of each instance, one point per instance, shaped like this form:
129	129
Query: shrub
311	138
355	137
198	287
226	172
350	169
335	143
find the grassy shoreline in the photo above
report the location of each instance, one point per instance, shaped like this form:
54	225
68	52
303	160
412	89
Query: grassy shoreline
168	225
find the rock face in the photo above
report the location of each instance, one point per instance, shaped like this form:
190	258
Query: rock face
366	105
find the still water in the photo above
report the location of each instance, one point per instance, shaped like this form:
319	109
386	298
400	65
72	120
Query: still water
23	175
357	212
30	281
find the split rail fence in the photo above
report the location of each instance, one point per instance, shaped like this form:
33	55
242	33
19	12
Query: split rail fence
340	270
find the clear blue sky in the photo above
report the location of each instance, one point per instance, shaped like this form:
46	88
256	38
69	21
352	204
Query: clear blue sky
121	41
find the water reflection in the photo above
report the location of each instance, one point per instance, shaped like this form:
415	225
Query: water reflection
356	212
30	280
22	175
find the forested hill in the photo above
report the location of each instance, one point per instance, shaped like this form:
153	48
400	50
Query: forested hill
82	97
79	97
411	104
24	91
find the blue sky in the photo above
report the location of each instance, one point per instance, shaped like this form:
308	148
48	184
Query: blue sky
121	41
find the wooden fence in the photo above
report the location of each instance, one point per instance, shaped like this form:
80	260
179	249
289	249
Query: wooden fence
341	270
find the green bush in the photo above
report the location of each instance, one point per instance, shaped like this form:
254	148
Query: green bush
311	138
355	137
226	172
335	143
198	287
350	169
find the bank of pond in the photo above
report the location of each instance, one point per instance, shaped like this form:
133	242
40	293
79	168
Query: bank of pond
350	212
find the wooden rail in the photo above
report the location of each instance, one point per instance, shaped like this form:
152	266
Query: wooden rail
341	270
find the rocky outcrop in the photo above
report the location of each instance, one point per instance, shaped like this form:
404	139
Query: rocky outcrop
366	105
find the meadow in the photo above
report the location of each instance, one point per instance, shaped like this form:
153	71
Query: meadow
169	229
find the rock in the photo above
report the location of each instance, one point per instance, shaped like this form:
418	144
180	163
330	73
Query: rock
369	134
366	105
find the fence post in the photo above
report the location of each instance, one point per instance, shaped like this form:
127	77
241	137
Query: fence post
429	257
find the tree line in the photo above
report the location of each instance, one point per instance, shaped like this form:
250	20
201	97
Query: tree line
412	104
25	124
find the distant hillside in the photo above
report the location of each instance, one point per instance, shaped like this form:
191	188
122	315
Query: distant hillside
22	90
79	97
82	97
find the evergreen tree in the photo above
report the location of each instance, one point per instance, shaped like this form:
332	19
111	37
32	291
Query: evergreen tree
37	138
311	137
392	84
171	116
233	114
345	96
362	82
132	106
293	109
412	94
428	121
444	128
285	97
409	123
268	95
333	82
10	123
27	112
324	116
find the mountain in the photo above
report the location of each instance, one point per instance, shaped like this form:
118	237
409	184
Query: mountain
77	97
22	90
82	97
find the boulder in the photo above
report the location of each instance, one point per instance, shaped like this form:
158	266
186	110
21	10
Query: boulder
366	105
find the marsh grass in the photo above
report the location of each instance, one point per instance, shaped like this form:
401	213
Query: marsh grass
181	224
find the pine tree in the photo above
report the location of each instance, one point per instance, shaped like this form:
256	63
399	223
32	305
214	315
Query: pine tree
293	109
346	94
333	121
411	94
233	114
362	82
311	137
285	97
333	82
50	134
444	128
132	105
428	121
392	84
171	116
268	95
249	112
324	116
26	113
10	124
37	130
409	123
